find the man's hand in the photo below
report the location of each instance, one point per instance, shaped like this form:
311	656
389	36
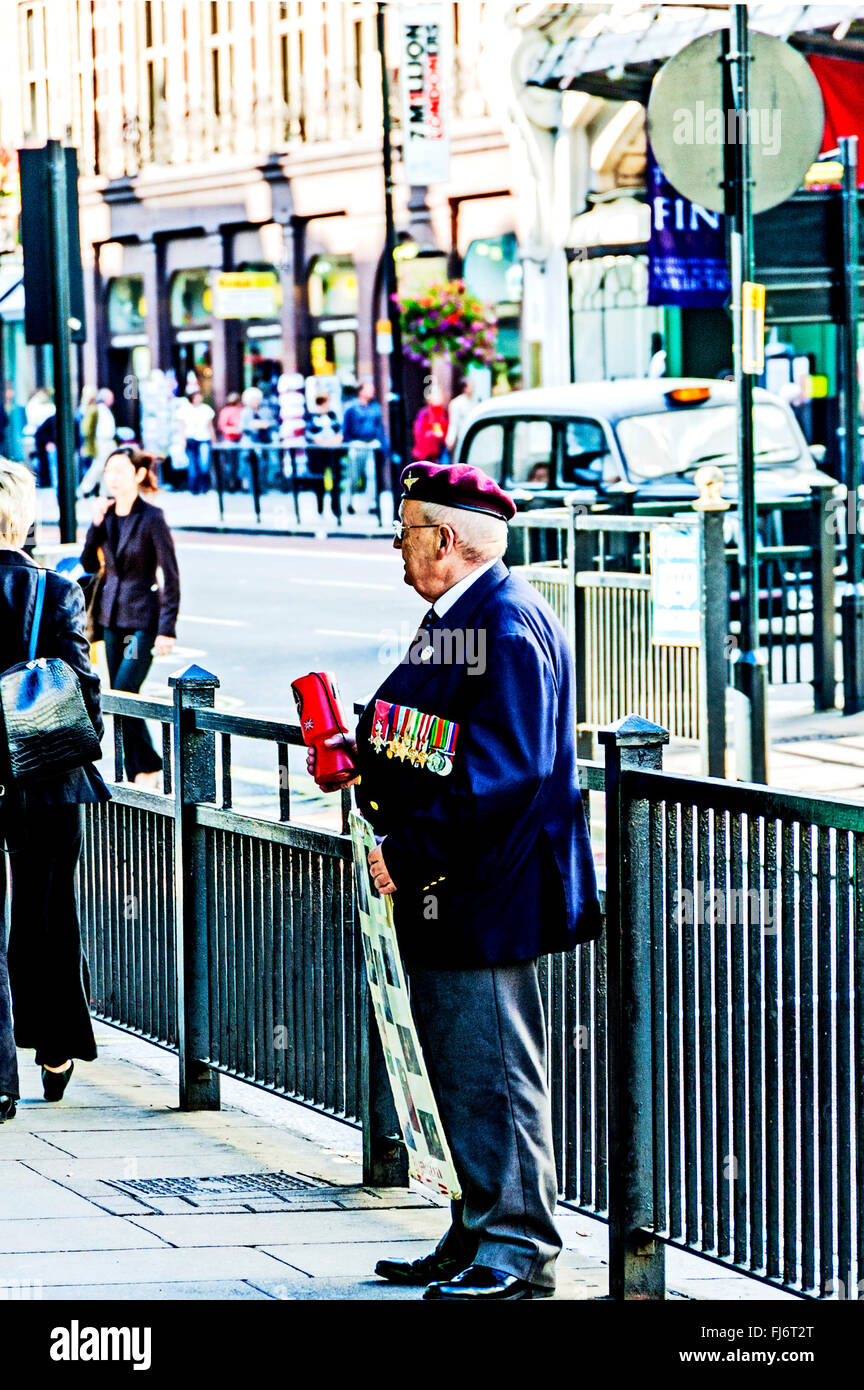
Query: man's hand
380	873
163	645
336	741
100	507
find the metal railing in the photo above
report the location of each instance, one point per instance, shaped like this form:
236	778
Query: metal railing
706	1057
595	571
295	468
736	1034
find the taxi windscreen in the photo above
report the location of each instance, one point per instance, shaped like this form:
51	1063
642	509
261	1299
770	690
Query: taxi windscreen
676	441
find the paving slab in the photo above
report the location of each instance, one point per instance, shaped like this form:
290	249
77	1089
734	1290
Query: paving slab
30	1196
296	1228
50	1233
180	1291
144	1265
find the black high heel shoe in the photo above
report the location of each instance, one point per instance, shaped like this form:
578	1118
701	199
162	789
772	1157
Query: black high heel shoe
7	1108
54	1083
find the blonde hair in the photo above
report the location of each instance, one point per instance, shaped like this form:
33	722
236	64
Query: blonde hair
17	501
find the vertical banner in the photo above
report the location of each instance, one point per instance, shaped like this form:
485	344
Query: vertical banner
686	250
429	1158
425	133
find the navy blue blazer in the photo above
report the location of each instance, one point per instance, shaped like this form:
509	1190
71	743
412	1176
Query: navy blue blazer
492	863
61	633
131	599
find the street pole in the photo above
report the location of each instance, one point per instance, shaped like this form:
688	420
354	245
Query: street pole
61	354
398	424
852	604
749	663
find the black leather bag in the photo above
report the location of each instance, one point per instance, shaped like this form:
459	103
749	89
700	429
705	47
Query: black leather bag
47	727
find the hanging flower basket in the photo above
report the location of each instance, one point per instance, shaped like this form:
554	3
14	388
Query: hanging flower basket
446	321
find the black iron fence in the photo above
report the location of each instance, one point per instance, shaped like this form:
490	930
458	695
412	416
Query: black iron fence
709	1093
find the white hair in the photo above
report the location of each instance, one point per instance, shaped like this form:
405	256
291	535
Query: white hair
17	501
479	537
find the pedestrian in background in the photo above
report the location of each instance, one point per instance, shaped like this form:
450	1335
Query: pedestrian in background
138	614
43	975
460	408
86	417
105	433
197	419
430	428
38	409
230	427
363	423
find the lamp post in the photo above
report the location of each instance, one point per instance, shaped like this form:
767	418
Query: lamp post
58	231
749	662
398	423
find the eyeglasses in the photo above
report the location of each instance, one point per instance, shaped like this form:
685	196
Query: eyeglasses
399	528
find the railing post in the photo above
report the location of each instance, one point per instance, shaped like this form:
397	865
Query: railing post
714	656
194	782
823	543
636	1259
385	1158
581	558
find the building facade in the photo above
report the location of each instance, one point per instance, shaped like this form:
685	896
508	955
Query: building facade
243	138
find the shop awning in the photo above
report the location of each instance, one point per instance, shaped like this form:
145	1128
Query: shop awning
615	55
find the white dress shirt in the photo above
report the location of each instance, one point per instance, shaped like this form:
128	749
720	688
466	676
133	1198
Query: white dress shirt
445	602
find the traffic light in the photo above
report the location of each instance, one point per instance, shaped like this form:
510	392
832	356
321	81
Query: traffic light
36	243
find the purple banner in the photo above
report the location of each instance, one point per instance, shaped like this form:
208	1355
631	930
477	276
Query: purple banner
687	249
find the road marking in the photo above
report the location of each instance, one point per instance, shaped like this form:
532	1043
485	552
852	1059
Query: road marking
330	555
344	584
216	622
351	632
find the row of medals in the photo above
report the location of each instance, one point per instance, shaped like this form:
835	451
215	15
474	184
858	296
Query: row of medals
403	748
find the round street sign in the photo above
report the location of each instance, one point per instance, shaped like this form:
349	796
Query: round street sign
687	123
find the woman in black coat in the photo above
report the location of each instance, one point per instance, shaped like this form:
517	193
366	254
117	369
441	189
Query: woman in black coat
138	614
43	975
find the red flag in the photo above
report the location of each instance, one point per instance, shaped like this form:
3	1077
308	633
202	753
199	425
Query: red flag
842	84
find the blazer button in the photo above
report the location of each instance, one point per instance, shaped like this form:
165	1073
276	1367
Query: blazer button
373	805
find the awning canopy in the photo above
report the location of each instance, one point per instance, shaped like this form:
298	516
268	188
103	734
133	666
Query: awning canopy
616	55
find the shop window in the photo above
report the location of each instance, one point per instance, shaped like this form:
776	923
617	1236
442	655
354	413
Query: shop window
190	298
493	273
333	286
333	304
127	309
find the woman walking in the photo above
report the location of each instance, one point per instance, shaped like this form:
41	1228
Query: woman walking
43	975
138	613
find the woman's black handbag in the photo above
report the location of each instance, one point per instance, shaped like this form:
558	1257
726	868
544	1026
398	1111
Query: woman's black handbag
48	730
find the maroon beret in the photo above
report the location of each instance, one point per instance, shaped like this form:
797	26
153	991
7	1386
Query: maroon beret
456	485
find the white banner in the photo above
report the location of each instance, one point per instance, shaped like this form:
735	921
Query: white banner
425	134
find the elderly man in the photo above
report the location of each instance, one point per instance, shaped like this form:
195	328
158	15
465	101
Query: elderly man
467	773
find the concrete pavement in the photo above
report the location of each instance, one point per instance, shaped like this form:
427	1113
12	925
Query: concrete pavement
115	1194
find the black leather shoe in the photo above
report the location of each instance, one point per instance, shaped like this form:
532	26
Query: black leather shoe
421	1271
7	1108
54	1083
485	1285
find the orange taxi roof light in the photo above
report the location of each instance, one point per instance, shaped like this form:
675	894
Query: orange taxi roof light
688	395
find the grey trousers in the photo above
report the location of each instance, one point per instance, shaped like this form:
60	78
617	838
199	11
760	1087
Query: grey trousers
483	1034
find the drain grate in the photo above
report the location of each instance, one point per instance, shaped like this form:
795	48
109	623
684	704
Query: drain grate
234	1191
